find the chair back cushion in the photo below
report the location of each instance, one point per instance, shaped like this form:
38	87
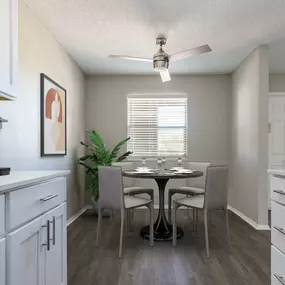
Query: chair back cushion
126	165
111	195
216	193
198	182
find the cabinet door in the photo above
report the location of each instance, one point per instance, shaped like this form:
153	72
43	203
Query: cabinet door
56	256
25	254
8	48
2	262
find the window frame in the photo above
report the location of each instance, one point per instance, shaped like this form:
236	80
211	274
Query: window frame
164	96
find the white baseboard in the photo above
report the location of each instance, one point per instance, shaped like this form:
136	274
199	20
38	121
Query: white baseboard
249	221
76	216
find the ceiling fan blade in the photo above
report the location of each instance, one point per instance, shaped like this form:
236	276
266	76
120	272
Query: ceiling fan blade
190	52
165	76
129	57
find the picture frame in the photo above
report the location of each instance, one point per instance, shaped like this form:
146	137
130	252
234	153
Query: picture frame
53	117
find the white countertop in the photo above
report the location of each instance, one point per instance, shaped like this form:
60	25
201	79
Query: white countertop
18	179
280	172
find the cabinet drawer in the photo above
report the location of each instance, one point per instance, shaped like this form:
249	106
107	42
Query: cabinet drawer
278	226
278	189
277	267
28	203
2	215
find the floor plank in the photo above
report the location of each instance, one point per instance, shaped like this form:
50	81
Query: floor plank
247	261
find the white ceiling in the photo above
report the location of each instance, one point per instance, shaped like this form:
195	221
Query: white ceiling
90	30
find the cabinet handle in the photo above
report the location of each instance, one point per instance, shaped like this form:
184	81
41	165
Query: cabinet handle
279	192
279	278
48	233
54	196
280	230
53	228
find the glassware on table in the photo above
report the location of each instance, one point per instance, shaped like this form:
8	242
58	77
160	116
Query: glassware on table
143	162
179	161
163	160
159	163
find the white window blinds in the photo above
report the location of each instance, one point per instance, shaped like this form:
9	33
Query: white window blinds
157	125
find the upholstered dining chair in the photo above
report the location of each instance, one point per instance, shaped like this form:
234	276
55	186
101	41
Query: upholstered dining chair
195	186
131	189
215	198
129	184
112	197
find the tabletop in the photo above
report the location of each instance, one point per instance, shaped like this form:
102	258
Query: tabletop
162	175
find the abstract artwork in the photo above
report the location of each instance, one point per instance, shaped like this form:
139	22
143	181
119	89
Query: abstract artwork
53	118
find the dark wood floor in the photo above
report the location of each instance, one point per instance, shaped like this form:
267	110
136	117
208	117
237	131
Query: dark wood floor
247	261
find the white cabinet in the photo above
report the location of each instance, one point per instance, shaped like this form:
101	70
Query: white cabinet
33	228
2	262
55	258
8	49
25	254
2	215
38	251
277	185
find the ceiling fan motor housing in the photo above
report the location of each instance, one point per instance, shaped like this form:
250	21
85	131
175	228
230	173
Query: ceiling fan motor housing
160	61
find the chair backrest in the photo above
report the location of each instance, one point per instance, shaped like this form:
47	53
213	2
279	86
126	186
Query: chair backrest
199	182
216	193
111	192
126	165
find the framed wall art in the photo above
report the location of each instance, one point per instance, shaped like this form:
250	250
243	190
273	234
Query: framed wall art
53	118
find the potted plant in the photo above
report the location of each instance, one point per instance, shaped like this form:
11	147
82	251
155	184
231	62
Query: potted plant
98	154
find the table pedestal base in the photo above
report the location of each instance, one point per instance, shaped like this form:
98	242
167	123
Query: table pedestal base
162	228
160	235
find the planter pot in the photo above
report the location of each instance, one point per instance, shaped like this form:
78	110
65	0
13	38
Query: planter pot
106	213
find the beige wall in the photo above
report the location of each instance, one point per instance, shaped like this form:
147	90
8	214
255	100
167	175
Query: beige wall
20	138
277	83
208	109
248	186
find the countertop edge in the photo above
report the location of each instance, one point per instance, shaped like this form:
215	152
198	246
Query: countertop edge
42	177
280	172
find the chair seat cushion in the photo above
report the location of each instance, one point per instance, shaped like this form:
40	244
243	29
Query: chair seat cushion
188	190
134	201
136	190
194	202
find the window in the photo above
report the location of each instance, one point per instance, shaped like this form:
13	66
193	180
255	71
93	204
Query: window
157	125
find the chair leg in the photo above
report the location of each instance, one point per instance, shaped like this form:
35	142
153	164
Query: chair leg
188	212
194	219
196	223
206	233
132	214
174	225
130	219
169	206
121	232
151	222
99	225
227	226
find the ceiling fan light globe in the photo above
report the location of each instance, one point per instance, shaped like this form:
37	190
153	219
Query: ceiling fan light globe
160	65
160	69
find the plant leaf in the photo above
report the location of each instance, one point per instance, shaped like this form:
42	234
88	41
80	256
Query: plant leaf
116	149
86	157
124	156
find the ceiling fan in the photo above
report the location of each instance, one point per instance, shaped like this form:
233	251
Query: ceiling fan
161	59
